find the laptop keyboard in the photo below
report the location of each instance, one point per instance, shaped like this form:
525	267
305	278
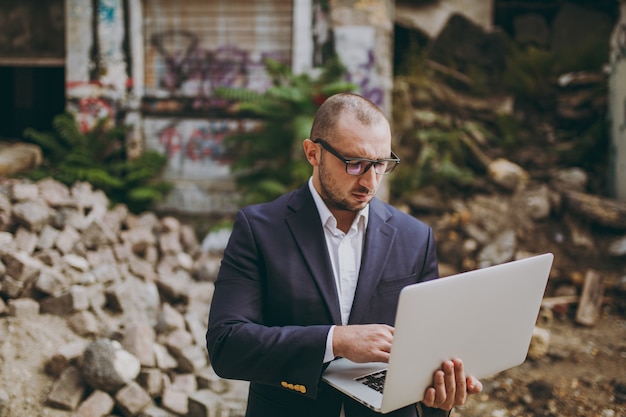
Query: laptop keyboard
375	380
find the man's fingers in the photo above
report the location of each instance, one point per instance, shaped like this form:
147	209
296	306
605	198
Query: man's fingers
440	389
450	385
461	384
429	397
474	386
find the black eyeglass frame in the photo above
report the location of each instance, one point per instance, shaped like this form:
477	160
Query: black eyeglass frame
392	162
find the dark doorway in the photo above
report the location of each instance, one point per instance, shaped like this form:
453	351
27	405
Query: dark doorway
29	97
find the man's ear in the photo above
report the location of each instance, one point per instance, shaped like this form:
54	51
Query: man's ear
311	151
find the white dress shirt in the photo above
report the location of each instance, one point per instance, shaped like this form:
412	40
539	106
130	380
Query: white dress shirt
345	250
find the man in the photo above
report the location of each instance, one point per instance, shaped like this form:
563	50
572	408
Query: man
316	274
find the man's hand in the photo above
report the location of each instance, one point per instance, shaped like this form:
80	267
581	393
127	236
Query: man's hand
363	342
450	386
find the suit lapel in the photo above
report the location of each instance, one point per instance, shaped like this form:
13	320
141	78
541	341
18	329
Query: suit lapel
378	242
305	225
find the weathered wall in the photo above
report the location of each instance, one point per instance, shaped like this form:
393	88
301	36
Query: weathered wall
617	103
96	74
363	33
114	70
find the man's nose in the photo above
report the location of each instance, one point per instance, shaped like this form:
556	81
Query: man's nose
369	179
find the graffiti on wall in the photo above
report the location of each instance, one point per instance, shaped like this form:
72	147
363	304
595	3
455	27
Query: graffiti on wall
355	47
190	70
91	101
194	147
110	58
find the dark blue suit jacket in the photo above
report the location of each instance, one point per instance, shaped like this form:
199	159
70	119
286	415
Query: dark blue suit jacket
275	300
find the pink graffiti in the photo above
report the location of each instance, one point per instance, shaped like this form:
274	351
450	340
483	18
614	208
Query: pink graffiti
171	140
90	102
203	144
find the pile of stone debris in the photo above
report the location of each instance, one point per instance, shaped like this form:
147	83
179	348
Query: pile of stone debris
135	288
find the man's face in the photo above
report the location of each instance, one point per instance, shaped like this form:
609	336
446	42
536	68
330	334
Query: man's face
340	190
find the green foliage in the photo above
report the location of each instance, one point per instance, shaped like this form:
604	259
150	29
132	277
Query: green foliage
269	161
531	74
99	157
440	159
532	71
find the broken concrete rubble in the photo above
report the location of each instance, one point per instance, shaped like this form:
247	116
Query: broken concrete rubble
126	285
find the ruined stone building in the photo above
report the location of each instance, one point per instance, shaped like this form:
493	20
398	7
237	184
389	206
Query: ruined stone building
153	64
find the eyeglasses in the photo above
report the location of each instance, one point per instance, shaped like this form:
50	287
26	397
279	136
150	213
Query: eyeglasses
359	166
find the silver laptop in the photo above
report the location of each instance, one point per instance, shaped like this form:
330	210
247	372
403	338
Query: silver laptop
484	317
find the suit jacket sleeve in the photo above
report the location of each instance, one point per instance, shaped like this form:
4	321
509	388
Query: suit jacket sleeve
246	338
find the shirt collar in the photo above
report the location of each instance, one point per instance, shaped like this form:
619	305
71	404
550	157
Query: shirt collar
326	216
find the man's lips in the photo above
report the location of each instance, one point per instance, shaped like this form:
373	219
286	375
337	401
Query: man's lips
362	196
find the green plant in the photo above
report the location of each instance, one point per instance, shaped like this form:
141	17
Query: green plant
99	157
269	160
531	72
440	159
530	75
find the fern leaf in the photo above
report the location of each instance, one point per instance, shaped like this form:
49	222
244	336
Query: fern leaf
67	130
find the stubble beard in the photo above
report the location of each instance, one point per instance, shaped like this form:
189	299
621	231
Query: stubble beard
332	196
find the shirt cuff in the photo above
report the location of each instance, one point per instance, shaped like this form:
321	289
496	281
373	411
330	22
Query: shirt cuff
329	355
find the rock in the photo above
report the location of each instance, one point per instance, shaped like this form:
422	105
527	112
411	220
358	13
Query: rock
67	390
98	404
207	267
169	319
204	403
535	202
64	356
151	380
215	241
108	367
18	157
138	340
131	399
507	174
501	250
23	307
55	193
76	298
618	247
539	343
34	214
175	401
84	323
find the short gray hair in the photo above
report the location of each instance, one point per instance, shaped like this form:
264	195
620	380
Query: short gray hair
335	106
